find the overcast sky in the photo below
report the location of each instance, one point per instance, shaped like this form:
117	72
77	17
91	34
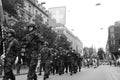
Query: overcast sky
90	22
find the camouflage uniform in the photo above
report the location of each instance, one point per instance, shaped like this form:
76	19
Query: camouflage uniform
66	62
75	66
32	52
55	62
79	62
70	55
46	59
1	66
61	62
11	53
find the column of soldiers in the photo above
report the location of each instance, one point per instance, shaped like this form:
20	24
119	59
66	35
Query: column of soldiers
61	61
33	48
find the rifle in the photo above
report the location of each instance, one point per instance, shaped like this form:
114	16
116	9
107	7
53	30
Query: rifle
2	40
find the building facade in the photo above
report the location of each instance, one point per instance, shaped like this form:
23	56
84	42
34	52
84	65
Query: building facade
113	44
76	43
28	12
32	8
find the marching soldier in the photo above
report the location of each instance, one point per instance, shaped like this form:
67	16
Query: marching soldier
66	61
70	55
61	61
79	62
33	43
12	48
75	57
55	62
46	59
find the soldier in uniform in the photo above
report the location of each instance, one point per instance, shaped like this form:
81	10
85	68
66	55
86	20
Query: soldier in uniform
61	61
79	62
75	57
66	62
54	58
33	43
11	51
70	55
55	62
46	59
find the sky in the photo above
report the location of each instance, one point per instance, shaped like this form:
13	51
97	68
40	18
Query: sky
86	20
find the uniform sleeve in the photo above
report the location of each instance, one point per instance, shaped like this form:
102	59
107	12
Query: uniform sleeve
9	47
17	47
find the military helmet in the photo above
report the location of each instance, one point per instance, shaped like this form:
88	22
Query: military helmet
70	48
32	25
60	48
46	43
11	31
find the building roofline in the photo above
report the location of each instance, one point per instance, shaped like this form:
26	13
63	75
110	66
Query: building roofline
57	7
38	8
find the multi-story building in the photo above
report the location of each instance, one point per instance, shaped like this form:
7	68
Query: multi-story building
114	39
57	20
28	11
32	8
76	43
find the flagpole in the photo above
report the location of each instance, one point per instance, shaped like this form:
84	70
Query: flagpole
2	27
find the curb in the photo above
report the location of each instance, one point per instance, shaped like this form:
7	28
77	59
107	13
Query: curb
16	75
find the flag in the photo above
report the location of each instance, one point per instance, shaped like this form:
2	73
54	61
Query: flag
57	16
1	13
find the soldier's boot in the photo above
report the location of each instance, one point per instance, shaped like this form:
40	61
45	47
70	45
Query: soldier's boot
71	73
12	76
45	77
4	78
79	70
39	73
29	79
35	77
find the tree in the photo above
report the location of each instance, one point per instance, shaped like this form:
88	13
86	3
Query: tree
63	42
48	34
20	29
51	36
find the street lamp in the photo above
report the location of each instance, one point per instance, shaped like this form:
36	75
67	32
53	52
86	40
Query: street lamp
43	3
98	4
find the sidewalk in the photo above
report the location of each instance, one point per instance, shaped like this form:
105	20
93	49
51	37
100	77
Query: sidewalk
22	72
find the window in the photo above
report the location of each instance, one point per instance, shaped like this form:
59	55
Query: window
29	18
29	7
36	12
119	42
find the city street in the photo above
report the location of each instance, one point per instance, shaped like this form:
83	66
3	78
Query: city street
101	73
57	38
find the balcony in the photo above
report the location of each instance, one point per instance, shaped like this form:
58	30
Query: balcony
38	6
